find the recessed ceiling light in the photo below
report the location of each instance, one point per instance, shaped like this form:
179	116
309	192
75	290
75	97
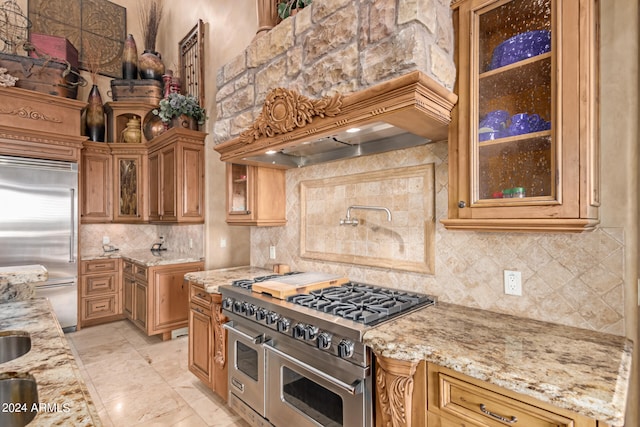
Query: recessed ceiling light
353	130
270	152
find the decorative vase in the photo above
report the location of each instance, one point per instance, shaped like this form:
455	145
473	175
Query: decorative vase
95	116
130	59
132	133
166	83
267	16
183	121
150	66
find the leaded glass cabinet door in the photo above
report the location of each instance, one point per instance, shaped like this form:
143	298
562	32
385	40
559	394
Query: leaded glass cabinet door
128	186
523	139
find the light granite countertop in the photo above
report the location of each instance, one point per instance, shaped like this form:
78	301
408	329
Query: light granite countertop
17	283
61	390
211	279
148	258
577	369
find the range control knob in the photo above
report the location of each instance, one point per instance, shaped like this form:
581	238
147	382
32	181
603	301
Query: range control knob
251	310
261	314
245	307
310	332
324	340
345	349
298	330
237	306
227	303
283	324
271	318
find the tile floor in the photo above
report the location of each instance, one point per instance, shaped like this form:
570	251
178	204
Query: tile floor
136	380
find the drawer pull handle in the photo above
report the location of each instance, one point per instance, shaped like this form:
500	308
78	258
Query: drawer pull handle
484	410
198	310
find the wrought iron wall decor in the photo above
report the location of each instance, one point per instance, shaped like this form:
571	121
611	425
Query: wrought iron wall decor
191	49
95	26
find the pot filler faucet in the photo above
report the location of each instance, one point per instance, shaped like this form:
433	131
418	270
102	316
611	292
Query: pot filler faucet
354	221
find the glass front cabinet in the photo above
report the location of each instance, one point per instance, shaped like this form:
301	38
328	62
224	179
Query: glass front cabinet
523	142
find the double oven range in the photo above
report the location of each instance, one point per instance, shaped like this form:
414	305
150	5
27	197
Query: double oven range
301	361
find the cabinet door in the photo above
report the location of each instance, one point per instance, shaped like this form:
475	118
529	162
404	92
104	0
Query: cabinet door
168	184
200	343
522	143
238	192
95	187
191	169
129	286
154	186
129	188
140	305
170	299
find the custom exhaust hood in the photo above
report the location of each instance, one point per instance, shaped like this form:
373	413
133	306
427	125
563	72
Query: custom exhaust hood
295	131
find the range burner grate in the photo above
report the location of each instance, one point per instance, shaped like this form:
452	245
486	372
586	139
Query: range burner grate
361	303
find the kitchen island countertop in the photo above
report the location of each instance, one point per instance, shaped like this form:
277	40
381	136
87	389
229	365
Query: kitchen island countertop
17	283
212	279
577	369
62	393
148	258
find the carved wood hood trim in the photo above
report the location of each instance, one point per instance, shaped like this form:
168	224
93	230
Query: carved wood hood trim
413	102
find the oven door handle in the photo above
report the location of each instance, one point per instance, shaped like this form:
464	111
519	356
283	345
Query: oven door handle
351	389
254	339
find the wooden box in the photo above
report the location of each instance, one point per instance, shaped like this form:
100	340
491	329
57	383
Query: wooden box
147	91
50	77
54	46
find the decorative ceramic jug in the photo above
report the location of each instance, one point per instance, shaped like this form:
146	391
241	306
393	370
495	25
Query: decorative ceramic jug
130	59
150	66
132	133
95	123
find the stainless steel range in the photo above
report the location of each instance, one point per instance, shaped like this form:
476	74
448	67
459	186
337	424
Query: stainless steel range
301	361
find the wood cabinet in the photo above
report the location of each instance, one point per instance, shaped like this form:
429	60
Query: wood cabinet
96	183
423	394
207	339
156	299
255	195
100	292
120	112
523	143
129	183
176	176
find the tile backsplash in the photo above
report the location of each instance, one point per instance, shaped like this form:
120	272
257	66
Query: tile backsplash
572	279
128	237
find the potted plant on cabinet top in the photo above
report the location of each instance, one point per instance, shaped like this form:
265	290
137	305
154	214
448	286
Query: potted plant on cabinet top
290	7
178	110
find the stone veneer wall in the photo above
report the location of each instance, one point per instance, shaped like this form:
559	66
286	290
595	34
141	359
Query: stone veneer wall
336	46
341	45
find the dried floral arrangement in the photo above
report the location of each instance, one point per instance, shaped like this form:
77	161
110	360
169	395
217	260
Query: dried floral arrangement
150	14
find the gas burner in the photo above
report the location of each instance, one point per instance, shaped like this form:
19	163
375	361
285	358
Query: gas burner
361	303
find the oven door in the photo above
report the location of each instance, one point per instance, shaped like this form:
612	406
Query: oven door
246	365
302	395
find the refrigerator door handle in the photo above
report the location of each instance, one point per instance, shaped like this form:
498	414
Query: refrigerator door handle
72	236
56	284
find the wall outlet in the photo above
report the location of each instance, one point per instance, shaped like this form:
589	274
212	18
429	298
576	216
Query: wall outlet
190	243
512	282
223	242
106	240
272	252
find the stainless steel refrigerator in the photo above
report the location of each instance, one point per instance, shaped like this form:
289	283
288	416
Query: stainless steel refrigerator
39	225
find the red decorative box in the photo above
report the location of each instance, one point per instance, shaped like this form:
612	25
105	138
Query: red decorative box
54	46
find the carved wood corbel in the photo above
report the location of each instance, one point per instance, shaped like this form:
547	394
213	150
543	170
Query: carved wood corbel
394	385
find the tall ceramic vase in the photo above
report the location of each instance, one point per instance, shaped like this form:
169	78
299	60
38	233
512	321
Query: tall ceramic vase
95	116
130	59
150	66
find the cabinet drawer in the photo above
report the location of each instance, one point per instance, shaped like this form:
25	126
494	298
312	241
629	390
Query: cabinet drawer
198	295
140	272
467	402
94	308
99	266
99	284
127	267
